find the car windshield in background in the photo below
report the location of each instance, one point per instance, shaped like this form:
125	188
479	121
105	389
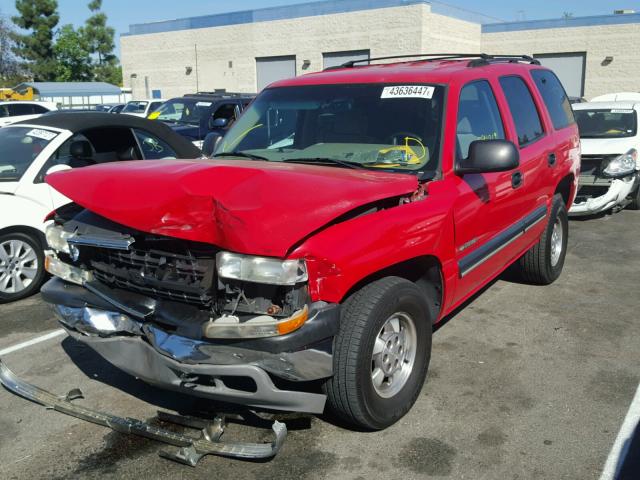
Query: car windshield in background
612	123
19	146
393	127
135	107
182	110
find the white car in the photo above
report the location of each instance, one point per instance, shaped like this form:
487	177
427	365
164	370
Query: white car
33	149
18	111
610	169
142	108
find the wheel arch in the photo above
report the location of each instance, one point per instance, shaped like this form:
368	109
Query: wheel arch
425	271
31	231
566	188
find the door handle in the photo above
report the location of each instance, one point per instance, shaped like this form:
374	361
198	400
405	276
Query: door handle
551	159
516	179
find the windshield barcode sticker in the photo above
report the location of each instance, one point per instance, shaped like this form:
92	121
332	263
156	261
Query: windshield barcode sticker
408	91
617	110
42	134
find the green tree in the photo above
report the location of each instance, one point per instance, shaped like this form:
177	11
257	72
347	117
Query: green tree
100	39
72	55
39	18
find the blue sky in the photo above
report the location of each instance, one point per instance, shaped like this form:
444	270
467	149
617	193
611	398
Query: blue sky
122	13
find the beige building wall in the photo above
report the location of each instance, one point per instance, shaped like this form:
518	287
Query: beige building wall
621	41
227	55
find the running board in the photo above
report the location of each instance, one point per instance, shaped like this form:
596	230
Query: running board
190	450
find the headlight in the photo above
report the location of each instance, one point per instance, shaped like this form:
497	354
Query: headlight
65	271
57	238
271	271
622	165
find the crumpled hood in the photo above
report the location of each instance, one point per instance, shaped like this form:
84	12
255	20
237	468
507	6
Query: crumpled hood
606	146
246	206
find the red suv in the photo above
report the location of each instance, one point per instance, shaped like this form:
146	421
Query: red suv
343	215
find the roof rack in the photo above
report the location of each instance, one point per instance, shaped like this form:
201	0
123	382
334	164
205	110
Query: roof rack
478	59
220	94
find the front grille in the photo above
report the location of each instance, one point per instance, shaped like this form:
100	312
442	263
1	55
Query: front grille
594	165
185	278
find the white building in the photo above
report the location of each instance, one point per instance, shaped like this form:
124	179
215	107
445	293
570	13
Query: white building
245	51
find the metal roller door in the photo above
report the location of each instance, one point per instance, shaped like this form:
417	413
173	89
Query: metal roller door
335	59
271	69
569	67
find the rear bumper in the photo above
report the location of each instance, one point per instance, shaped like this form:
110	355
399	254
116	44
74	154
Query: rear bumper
241	372
618	191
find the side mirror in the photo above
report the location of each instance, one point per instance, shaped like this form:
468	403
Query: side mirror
57	168
210	143
489	156
218	122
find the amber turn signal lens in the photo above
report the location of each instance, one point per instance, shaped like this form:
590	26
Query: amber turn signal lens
294	322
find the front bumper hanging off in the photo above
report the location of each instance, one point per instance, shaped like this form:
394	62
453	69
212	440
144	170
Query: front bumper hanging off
190	450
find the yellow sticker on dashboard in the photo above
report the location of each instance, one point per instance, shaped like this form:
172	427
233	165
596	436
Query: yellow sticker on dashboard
153	116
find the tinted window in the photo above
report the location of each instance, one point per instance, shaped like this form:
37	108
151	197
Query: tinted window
20	109
39	109
554	98
227	111
600	123
478	117
523	110
154	106
19	146
152	147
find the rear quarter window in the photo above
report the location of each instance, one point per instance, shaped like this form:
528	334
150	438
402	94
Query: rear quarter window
523	109
554	97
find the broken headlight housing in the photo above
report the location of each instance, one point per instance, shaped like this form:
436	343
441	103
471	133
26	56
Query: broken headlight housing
266	270
622	165
57	238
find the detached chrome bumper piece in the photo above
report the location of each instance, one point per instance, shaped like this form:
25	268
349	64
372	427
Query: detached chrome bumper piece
198	367
190	450
618	191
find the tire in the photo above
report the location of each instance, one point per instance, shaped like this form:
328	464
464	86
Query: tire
542	264
21	266
369	315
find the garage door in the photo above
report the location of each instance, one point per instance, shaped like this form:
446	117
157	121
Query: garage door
271	69
334	59
569	67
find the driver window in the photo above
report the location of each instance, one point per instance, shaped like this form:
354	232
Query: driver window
478	117
152	147
227	111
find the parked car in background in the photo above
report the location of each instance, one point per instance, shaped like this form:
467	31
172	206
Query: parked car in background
110	107
61	141
141	108
197	115
573	100
610	171
17	111
343	215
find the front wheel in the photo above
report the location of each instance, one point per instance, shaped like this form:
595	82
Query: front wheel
543	263
381	353
21	266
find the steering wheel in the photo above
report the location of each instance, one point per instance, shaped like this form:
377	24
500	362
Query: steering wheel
398	138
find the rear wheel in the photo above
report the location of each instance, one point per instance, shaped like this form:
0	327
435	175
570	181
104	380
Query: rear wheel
381	353
543	263
21	266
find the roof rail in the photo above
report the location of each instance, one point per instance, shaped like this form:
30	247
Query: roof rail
220	94
478	59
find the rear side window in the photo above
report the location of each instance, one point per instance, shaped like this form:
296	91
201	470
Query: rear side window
554	98
524	112
478	117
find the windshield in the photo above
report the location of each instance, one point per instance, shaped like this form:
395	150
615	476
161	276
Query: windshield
135	107
19	146
182	110
393	127
614	123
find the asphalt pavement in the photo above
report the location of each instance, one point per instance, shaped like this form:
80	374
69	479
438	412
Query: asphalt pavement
525	383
